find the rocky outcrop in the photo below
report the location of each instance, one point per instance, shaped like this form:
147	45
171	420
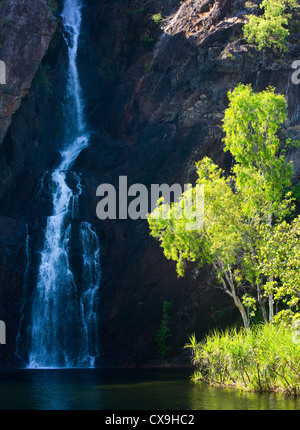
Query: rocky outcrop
12	268
26	29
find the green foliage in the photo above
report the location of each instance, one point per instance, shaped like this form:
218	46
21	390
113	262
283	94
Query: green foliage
286	318
148	42
157	18
263	359
296	192
250	5
164	331
250	303
251	124
241	209
230	56
289	143
280	258
270	30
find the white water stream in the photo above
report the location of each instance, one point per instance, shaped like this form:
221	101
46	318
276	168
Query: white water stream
63	330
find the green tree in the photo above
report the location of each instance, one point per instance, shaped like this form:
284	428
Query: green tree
280	257
262	175
237	207
221	242
270	30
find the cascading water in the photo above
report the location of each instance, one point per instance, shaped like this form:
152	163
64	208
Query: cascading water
63	330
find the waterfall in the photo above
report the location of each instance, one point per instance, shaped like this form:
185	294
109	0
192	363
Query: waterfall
91	276
63	330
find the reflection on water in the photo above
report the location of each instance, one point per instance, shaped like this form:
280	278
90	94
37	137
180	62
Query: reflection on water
98	389
206	398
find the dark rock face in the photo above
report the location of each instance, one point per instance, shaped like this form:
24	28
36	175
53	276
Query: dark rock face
12	264
26	30
155	97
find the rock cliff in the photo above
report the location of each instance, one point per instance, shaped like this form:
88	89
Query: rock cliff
26	29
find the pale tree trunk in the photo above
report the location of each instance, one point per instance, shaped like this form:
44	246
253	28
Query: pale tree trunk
243	313
258	290
271	301
232	293
271	306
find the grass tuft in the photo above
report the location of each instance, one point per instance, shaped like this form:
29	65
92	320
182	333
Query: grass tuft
263	359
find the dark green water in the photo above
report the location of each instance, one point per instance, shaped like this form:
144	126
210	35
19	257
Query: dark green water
95	389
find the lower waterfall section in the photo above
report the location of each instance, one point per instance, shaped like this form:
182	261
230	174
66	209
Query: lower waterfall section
64	331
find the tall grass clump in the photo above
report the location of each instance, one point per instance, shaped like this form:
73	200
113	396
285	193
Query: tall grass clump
262	359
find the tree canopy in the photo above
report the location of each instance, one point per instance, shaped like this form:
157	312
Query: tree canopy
270	30
241	208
